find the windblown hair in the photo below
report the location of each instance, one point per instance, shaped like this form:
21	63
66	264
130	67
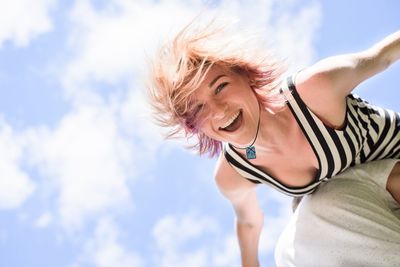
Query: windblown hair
181	64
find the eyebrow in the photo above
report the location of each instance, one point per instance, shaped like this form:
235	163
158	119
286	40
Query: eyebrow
215	80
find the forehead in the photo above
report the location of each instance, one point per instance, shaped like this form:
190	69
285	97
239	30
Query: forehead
214	73
210	79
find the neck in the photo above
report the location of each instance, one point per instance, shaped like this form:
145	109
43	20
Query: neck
275	125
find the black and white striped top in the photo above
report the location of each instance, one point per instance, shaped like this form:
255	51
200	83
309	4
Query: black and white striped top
369	133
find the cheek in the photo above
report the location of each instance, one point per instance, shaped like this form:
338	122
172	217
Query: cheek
207	129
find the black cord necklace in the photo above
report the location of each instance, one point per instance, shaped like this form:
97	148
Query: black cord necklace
251	149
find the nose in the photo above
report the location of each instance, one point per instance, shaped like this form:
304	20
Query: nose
218	110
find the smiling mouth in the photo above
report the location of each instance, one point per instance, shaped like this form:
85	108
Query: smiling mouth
233	123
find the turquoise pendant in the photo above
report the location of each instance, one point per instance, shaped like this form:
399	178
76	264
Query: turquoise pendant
250	152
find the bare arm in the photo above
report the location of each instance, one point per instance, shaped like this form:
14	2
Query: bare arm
249	223
344	72
249	217
325	85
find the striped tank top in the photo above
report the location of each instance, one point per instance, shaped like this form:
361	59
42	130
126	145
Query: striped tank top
370	133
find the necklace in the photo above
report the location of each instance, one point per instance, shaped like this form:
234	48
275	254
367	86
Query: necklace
251	149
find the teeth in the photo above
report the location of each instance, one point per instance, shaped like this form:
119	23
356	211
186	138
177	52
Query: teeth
232	118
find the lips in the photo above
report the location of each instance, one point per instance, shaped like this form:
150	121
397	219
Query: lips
233	123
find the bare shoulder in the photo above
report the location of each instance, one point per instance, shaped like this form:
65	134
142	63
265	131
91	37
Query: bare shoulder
314	82
337	75
229	181
317	89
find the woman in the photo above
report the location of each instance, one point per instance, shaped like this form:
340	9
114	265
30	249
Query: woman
291	133
350	221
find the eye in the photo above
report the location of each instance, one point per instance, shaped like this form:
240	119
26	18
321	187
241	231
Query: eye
220	87
197	111
193	117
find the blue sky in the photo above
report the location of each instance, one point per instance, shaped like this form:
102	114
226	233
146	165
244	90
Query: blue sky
85	177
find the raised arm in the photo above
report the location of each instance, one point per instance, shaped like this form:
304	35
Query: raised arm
340	74
249	217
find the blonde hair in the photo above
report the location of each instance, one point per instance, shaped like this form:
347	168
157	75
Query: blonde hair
181	64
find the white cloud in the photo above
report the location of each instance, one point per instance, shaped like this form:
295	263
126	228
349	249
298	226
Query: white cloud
113	43
263	9
110	47
273	227
105	250
178	237
15	184
179	242
290	34
229	254
295	34
134	117
278	209
23	20
173	234
88	161
44	220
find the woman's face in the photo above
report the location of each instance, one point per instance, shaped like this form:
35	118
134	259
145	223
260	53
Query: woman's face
228	106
